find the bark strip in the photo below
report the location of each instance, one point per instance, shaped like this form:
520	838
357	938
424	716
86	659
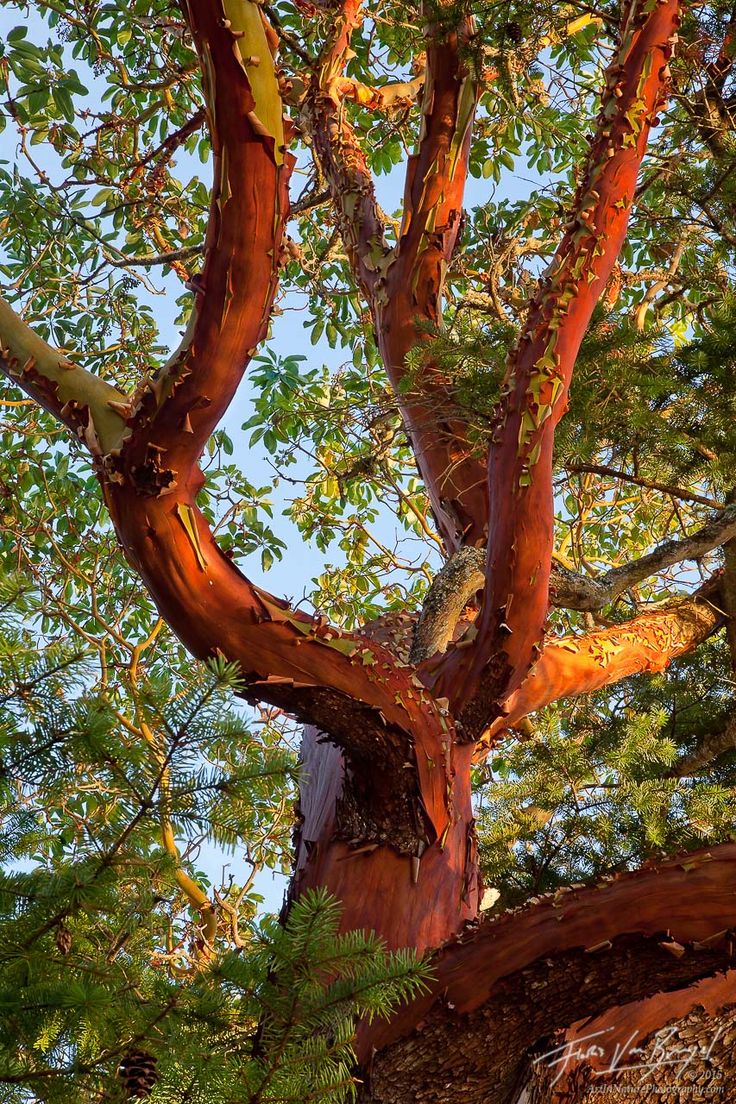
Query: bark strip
509	983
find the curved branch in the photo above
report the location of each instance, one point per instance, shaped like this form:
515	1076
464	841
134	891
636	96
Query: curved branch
578	665
410	304
451	590
341	157
506	985
534	392
81	400
174	414
673	1044
355	691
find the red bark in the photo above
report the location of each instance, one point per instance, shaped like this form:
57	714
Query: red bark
578	665
417	900
510	628
453	470
628	1025
387	820
397	741
511	981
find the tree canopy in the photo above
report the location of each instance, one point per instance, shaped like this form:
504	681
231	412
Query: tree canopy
474	266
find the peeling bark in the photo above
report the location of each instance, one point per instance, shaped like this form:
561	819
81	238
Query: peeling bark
578	665
386	820
672	1048
505	986
510	627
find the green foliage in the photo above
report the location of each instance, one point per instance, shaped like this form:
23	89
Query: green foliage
103	210
100	942
596	789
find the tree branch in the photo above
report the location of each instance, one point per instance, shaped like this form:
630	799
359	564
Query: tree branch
404	286
578	665
650	484
152	260
451	590
510	983
356	692
176	412
709	747
82	401
579	592
382	97
534	392
410	304
342	160
693	1020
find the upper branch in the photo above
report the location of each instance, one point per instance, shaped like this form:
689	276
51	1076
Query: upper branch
403	286
341	157
410	301
534	392
173	414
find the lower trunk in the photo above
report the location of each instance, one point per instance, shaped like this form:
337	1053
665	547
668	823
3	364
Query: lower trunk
418	900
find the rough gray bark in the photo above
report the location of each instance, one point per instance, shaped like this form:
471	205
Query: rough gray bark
709	748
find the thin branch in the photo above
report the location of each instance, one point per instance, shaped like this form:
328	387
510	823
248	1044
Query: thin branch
650	484
578	592
708	748
151	260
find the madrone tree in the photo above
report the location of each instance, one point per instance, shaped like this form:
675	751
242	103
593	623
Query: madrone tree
559	370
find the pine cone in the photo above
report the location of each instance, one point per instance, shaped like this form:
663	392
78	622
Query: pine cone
137	1071
63	940
513	31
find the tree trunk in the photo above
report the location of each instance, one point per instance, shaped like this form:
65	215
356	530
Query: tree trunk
419	899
